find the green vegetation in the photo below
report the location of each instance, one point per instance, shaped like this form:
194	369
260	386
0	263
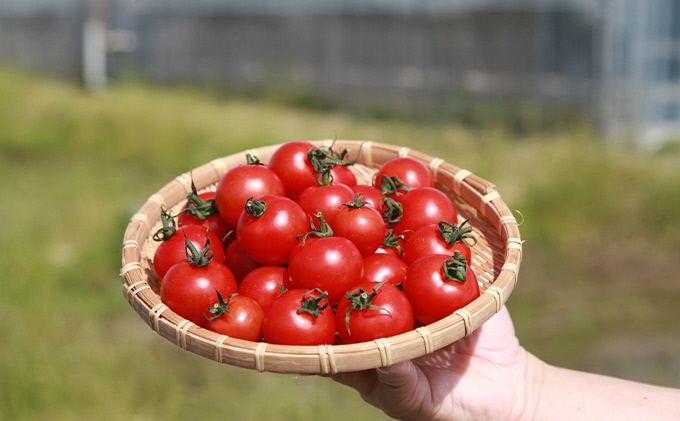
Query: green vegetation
598	287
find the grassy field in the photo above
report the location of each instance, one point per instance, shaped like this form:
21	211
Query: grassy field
598	288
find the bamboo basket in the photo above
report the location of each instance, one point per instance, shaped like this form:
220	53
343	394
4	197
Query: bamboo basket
496	260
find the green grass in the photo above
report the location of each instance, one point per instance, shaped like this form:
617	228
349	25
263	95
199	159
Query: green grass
600	268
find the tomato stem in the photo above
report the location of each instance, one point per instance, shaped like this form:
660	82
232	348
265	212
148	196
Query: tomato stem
310	304
199	207
455	268
360	299
392	186
252	160
358	202
391	240
452	233
221	307
255	208
393	211
169	226
196	258
324	229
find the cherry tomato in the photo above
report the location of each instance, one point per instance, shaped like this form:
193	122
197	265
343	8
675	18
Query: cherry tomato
173	250
189	286
343	175
421	207
299	317
410	171
238	262
240	183
371	194
373	310
239	317
361	224
380	267
291	164
268	229
325	199
443	238
437	285
204	212
331	264
265	284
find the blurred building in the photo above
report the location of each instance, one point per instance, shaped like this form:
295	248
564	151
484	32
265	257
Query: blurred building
618	58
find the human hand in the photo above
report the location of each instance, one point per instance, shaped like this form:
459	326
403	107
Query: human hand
482	376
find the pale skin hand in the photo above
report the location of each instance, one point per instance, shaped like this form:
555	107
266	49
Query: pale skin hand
489	376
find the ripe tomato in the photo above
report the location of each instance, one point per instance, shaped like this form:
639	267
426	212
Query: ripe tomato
443	238
371	195
265	284
343	175
291	164
410	171
325	199
239	317
421	207
299	317
437	285
188	287
331	264
358	222
269	227
242	182
173	249
201	210
373	310
238	262
379	267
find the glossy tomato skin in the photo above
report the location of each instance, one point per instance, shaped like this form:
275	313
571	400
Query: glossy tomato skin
423	206
331	264
343	175
173	250
364	226
189	290
428	240
265	284
214	222
238	262
284	324
270	238
242	182
371	195
380	267
410	171
243	320
395	317
431	295
325	199
291	164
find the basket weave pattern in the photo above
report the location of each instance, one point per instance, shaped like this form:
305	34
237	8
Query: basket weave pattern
496	260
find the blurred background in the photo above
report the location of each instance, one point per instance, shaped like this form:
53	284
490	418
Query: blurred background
572	108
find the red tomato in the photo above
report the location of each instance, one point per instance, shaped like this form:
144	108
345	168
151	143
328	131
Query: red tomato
188	288
371	194
207	216
437	285
239	317
443	238
331	264
242	182
371	311
410	171
291	164
299	317
343	175
358	222
268	229
173	249
238	262
325	199
264	284
384	267
421	207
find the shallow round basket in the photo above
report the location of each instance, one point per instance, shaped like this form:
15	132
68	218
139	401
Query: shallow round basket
496	259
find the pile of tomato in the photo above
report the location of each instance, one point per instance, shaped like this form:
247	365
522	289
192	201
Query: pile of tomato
298	252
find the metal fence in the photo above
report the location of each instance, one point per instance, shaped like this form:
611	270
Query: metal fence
619	58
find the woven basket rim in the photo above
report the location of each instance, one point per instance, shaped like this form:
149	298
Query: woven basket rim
475	197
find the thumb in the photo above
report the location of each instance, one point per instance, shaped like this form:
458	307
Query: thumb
397	376
397	392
